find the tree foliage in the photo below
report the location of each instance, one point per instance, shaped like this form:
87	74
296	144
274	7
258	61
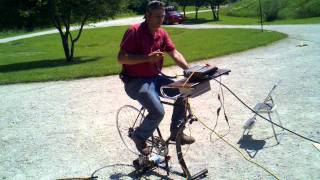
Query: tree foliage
138	6
22	14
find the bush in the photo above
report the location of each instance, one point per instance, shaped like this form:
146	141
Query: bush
138	6
274	9
244	8
270	9
307	9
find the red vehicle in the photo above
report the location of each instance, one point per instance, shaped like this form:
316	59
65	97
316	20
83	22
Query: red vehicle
172	16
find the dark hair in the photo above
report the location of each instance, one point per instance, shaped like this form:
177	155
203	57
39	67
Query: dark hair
152	5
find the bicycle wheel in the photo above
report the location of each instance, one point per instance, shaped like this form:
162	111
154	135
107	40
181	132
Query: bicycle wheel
128	119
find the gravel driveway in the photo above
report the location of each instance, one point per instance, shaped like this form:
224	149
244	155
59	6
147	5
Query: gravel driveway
67	128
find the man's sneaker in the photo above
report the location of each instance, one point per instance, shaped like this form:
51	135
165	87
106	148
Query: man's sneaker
141	146
184	139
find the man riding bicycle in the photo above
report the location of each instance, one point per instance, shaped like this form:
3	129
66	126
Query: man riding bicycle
141	55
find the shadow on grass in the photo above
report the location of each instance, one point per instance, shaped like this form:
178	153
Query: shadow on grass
198	21
47	63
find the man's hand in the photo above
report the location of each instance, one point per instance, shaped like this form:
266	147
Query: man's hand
127	58
155	56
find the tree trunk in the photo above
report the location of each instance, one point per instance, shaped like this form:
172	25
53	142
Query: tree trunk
197	9
184	11
65	44
215	11
218	12
72	50
67	36
214	16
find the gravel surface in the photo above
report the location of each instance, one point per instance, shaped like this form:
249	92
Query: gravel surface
67	129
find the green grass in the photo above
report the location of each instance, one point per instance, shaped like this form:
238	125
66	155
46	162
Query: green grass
192	8
17	32
42	59
206	17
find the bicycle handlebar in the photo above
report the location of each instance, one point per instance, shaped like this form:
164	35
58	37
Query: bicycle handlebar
192	89
167	96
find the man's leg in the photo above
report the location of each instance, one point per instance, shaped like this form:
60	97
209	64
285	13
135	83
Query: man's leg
178	118
150	100
179	111
178	115
143	90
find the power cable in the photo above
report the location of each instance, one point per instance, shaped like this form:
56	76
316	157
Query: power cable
244	156
265	117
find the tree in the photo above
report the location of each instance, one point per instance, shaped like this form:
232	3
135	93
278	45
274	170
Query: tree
64	13
138	6
197	5
21	14
184	4
215	7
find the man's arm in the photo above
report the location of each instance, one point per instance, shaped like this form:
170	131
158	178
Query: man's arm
127	58
179	59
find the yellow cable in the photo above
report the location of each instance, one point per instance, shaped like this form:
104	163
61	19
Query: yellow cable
243	155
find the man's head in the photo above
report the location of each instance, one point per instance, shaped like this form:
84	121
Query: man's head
155	14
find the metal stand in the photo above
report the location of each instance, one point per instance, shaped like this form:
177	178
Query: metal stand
190	118
266	107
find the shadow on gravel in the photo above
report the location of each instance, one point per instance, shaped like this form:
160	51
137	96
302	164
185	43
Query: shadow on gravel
251	146
47	63
124	171
114	171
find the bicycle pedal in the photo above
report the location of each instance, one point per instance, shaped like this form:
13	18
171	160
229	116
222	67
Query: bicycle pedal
192	119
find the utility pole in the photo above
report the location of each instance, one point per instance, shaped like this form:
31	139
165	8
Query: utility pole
261	15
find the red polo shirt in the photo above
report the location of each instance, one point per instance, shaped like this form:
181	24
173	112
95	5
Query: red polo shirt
138	40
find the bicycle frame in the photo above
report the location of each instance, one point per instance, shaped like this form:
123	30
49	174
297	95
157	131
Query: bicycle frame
187	90
189	118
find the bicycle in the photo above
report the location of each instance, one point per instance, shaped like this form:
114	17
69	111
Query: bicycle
129	117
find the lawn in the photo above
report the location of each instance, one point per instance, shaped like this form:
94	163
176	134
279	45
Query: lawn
42	59
17	32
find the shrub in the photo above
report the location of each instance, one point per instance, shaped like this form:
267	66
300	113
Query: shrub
274	9
270	9
307	9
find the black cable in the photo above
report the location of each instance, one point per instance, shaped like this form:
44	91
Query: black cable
218	112
264	117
